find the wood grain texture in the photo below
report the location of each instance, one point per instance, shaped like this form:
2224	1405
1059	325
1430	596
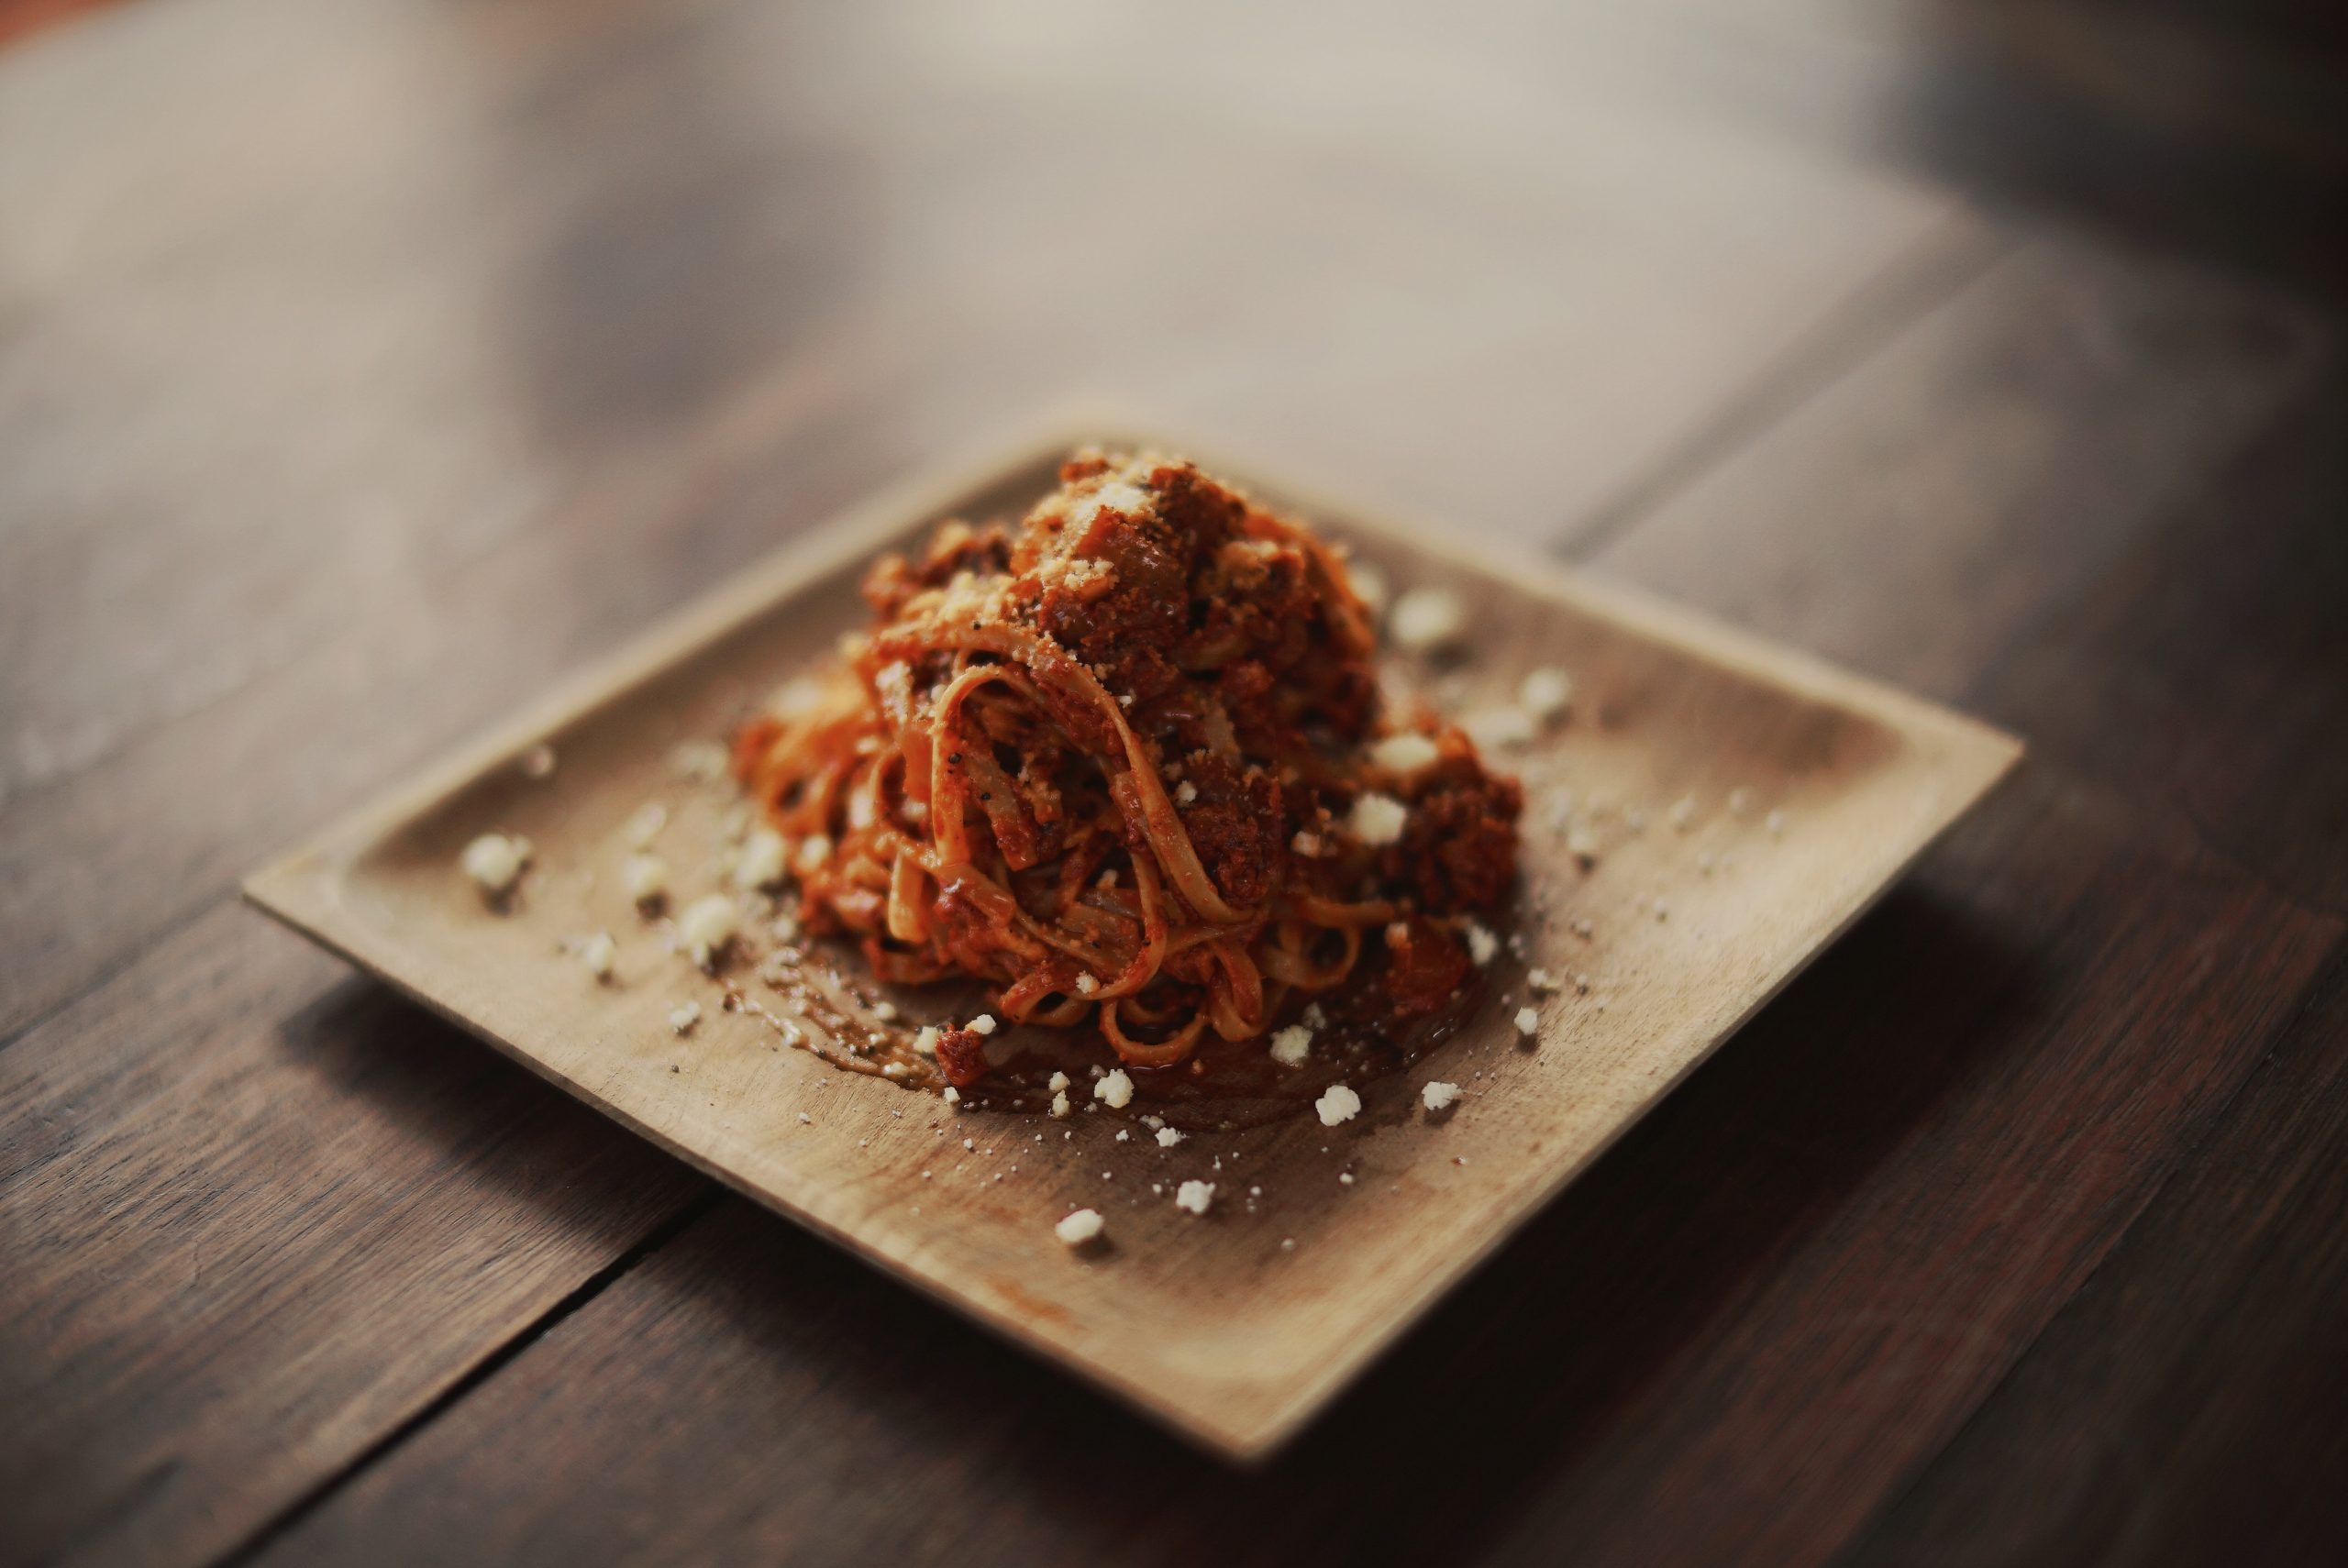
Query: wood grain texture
1718	1345
1697	921
362	368
2189	1399
1673	1354
255	1215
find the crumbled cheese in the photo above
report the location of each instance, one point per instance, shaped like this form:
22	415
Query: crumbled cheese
886	1011
1582	844
1080	1227
1306	844
1059	1082
1060	1106
1291	1046
1482	945
1315	1017
495	860
645	824
597	952
953	1095
1494	728
982	1024
702	761
1116	1091
646	878
1528	1021
925	1041
813	851
706	926
1336	1104
1194	1196
1436	1096
763	859
1426	618
1368	585
1546	692
1406	752
1168	1137
684	1016
804	1117
538	761
1541	979
1086	985
1185	793
1378	819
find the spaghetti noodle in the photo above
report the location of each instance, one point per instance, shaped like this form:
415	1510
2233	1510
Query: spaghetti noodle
1128	764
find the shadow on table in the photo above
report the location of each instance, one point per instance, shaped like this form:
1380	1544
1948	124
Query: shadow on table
1548	1351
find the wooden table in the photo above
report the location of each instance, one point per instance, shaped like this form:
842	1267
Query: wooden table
364	367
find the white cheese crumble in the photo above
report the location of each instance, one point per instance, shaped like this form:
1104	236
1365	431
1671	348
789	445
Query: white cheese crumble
538	762
495	860
684	1016
1403	754
925	1041
1368	585
1194	1196
1541	979
1482	945
1528	1022
706	926
982	1024
1436	1096
644	823
1427	618
646	878
953	1095
1060	1106
1168	1137
1336	1104
814	850
701	761
1546	692
1378	819
597	952
1493	729
1306	844
1059	1082
1291	1046
1086	985
1080	1227
762	861
1582	844
1116	1091
1185	793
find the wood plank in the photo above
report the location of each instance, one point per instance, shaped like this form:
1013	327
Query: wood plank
1761	1315
429	268
1770	1300
256	1212
1994	459
2189	1400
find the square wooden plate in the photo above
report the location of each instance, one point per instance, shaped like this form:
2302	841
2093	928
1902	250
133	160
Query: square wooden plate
1747	803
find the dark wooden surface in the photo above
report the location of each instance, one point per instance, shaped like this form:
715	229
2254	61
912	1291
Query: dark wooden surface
363	367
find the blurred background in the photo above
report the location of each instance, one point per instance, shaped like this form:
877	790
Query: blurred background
366	366
349	312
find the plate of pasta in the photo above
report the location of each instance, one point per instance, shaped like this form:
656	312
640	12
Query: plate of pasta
1181	919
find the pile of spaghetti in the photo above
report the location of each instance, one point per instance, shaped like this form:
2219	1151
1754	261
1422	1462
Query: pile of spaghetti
1129	763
